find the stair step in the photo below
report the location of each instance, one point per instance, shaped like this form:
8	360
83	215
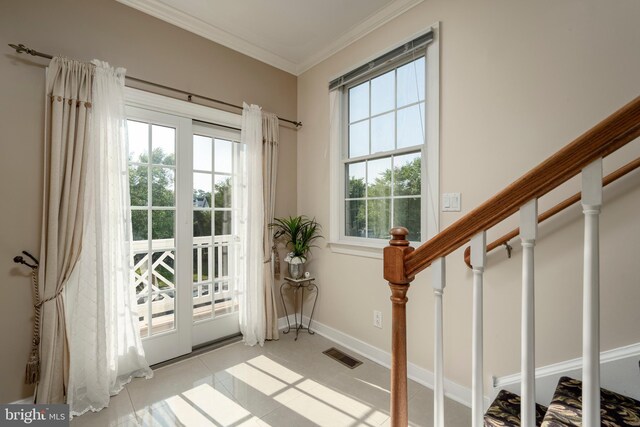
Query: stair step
566	407
505	411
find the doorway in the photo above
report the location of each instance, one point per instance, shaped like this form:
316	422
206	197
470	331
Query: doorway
185	255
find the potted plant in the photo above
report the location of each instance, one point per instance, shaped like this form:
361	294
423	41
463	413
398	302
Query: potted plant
298	233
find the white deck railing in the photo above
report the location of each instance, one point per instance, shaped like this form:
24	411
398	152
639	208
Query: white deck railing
211	292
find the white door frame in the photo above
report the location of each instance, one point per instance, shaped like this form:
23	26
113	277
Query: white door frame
149	107
207	330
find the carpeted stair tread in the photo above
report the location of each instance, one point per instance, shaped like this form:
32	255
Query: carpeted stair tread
505	411
566	407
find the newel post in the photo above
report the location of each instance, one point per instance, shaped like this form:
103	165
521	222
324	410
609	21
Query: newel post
394	273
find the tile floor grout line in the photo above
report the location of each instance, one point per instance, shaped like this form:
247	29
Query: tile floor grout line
135	411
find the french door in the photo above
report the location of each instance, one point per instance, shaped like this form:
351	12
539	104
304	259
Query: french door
215	248
181	178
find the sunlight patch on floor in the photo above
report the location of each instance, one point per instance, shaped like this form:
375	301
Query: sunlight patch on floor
316	402
257	379
204	405
316	410
343	403
186	413
217	406
275	369
373	385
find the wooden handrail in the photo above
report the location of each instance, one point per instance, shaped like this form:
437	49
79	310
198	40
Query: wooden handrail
613	176
615	131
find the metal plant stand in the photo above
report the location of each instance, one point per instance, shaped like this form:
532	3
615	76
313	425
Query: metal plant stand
299	285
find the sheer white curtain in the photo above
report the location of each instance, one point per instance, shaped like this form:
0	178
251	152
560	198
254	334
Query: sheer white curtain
104	343
251	225
270	138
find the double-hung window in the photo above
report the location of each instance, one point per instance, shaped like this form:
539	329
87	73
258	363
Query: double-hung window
381	120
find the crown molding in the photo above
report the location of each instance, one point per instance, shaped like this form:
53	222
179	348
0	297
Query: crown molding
187	22
192	24
372	23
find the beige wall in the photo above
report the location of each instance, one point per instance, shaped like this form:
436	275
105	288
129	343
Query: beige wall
150	49
518	81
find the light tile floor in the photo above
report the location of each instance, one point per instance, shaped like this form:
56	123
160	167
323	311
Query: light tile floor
285	383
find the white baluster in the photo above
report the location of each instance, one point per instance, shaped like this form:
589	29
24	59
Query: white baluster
199	263
478	261
528	234
591	203
438	284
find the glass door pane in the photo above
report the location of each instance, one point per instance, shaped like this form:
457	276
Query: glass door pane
214	287
202	227
152	171
159	157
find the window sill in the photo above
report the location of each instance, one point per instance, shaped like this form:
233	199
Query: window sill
362	249
368	250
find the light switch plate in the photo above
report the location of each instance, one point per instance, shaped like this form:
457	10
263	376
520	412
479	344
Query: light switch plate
451	202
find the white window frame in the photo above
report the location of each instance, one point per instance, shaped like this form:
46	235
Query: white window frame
430	186
164	104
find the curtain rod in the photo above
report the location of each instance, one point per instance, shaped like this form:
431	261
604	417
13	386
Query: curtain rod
23	49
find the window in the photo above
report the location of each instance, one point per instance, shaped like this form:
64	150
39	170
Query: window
384	141
384	151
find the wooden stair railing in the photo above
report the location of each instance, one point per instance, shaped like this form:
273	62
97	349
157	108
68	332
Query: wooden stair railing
612	177
402	262
394	256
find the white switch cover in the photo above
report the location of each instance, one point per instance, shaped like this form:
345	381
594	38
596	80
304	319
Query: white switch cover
451	202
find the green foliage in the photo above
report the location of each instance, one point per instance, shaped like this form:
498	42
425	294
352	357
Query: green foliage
356	188
202	218
372	217
163	194
298	232
163	271
407	179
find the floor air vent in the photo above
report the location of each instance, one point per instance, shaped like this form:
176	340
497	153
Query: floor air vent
343	358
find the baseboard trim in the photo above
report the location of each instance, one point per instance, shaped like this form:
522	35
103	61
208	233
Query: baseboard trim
570	365
618	373
417	373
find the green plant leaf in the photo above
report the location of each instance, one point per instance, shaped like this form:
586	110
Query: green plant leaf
297	232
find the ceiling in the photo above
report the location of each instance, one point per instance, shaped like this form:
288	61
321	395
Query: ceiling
293	35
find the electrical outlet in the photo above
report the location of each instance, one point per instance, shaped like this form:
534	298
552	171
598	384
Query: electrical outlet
377	319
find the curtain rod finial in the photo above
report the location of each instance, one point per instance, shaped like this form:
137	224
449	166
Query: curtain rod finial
22	49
